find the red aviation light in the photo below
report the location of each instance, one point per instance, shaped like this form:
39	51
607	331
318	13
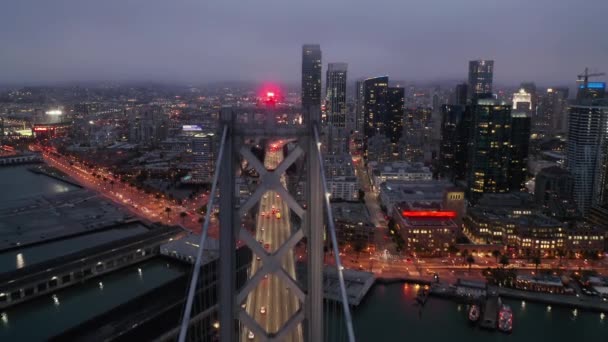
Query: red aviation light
270	94
429	214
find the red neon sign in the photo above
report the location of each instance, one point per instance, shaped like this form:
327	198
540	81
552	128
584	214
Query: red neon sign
38	129
429	214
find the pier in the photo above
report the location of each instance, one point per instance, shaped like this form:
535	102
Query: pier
490	313
20	159
42	278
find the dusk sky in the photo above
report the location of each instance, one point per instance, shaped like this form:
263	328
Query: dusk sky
546	41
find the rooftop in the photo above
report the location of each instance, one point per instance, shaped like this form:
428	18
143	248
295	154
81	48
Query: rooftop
351	211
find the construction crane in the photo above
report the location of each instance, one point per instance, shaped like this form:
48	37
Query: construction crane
584	78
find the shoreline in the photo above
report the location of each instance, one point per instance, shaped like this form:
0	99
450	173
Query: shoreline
443	290
41	170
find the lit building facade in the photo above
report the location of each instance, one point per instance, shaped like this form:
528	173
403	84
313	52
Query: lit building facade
374	105
311	76
489	147
336	94
453	143
397	171
587	138
426	228
481	73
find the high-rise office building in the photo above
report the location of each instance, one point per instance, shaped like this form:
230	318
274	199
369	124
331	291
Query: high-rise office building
586	149
496	154
453	145
203	156
374	105
522	102
460	95
481	73
520	141
552	111
311	76
395	112
591	91
336	94
359	105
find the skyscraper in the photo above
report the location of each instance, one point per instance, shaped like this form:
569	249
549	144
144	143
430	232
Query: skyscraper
336	94
520	141
460	94
480	77
374	105
395	112
591	90
552	110
311	76
496	153
522	102
359	105
453	145
586	149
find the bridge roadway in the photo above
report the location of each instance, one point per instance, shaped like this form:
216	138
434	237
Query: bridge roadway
272	293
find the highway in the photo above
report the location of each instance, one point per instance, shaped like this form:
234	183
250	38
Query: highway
272	303
147	206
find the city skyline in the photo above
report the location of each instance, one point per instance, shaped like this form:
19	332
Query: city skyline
68	41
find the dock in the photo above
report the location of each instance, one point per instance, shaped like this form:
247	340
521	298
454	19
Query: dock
30	282
358	283
490	313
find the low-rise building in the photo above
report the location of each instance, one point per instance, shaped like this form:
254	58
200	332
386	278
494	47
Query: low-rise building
353	223
585	237
394	192
523	231
397	171
426	227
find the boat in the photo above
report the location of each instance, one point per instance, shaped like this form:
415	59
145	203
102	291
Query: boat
505	319
474	313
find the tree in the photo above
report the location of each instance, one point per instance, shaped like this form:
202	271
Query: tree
358	247
504	261
183	215
536	260
561	254
452	249
361	195
496	254
470	261
168	211
391	224
465	253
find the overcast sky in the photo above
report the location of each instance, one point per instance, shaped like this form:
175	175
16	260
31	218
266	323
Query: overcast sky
547	41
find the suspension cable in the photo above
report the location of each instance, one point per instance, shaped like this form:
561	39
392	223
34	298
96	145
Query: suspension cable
193	282
332	233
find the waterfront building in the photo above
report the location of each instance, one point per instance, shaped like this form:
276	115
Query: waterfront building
426	228
353	224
